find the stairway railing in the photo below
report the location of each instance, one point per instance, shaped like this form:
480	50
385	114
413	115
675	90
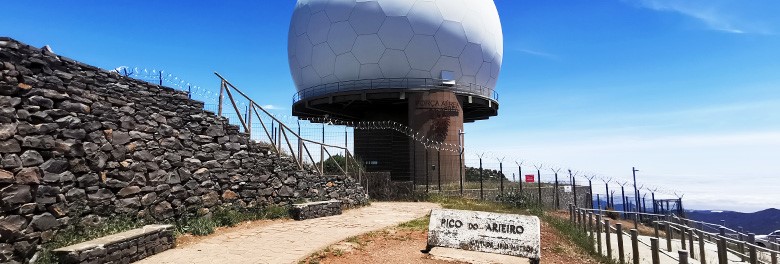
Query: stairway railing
279	135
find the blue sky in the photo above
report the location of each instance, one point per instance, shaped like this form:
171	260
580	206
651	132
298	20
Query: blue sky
687	91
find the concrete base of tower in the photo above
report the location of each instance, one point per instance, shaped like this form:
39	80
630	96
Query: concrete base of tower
432	157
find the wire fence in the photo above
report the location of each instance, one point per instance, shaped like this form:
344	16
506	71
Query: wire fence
314	141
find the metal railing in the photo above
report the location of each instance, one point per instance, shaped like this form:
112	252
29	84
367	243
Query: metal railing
279	135
394	83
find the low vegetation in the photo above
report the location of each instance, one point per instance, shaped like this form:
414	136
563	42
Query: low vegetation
472	174
516	203
222	217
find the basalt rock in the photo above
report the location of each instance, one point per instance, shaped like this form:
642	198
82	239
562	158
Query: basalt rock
79	145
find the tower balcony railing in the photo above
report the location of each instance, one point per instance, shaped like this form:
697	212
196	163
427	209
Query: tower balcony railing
395	83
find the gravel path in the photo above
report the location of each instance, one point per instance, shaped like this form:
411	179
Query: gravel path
289	242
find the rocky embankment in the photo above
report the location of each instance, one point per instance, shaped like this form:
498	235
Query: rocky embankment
79	144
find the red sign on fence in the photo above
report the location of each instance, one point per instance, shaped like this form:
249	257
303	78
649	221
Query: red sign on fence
529	178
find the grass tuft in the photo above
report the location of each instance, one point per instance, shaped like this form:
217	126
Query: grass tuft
227	216
419	224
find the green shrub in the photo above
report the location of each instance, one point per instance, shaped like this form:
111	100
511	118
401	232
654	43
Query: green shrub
276	212
517	199
227	217
201	226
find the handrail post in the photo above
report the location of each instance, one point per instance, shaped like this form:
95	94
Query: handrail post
621	251
668	236
346	162
690	243
683	256
584	222
576	217
774	248
636	219
655	227
702	255
249	120
635	246
753	254
752	248
590	225
598	233
742	246
683	231
654	248
221	97
300	150
722	250
607	238
571	213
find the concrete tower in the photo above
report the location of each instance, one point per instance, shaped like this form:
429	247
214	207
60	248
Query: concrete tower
428	64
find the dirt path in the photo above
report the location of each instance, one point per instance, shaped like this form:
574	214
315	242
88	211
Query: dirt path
400	245
289	242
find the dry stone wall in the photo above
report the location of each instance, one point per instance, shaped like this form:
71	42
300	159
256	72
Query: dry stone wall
79	144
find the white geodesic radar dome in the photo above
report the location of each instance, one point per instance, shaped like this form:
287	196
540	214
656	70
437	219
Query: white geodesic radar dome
334	41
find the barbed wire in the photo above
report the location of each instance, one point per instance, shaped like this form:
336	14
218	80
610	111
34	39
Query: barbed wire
211	97
160	77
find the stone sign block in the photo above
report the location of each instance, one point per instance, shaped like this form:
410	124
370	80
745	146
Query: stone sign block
507	234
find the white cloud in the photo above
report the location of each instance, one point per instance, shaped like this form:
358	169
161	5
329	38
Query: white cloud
721	15
728	171
538	53
272	107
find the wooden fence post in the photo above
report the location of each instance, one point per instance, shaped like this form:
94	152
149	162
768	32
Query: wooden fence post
635	245
621	251
583	221
702	256
608	238
722	250
598	233
683	256
571	213
590	225
683	231
668	236
576	217
655	226
742	247
654	248
752	248
774	248
690	243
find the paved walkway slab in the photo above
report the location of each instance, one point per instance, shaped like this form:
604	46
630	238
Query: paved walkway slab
290	242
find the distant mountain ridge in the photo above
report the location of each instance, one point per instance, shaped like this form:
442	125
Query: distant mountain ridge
760	223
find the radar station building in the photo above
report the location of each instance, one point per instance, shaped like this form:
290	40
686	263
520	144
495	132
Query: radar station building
428	65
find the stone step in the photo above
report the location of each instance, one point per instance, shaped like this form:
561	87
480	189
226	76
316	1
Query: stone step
132	245
313	210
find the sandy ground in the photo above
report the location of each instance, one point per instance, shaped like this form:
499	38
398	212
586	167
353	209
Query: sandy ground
289	241
397	245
